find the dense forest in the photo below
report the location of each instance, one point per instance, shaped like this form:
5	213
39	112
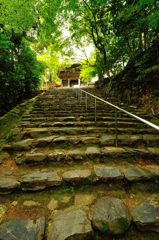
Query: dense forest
36	39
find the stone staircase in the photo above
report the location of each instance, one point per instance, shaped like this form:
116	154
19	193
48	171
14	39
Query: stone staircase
62	176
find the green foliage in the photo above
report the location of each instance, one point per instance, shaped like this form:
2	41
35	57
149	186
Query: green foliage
51	60
19	15
88	69
87	73
19	71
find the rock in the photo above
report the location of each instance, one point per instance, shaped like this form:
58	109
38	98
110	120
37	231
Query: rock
38	132
57	155
114	151
84	199
53	204
87	140
107	140
7	184
107	173
154	151
21	145
76	154
77	175
156	172
3	209
3	156
92	150
30	203
70	118
23	229
16	131
65	201
136	174
32	157
146	215
59	124
8	173
61	139
44	142
40	180
111	216
14	203
70	224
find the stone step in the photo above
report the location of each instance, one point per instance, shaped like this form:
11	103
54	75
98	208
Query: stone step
50	117
98	139
60	102
60	113
80	175
82	109
60	155
66	170
73	109
103	140
79	108
103	124
43	131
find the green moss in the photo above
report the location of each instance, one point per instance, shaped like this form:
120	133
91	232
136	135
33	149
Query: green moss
21	197
8	122
105	229
123	224
157	181
66	190
97	237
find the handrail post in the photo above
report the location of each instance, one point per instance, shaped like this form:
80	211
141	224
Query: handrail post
76	92
86	102
116	128
95	109
81	97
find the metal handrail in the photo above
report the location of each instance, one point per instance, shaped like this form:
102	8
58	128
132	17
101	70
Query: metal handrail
120	109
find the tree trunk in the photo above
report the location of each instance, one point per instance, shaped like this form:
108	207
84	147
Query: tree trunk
145	40
140	42
12	51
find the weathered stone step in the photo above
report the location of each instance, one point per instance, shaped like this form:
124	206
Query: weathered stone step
103	140
79	110
51	117
98	139
120	124
75	103
106	187
108	109
83	113
72	110
35	180
82	108
43	131
79	154
102	109
41	117
57	100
